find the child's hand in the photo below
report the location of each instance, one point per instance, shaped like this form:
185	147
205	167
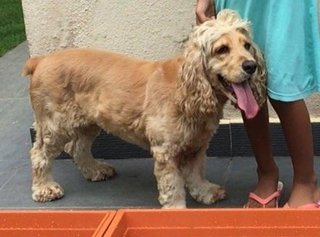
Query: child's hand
204	11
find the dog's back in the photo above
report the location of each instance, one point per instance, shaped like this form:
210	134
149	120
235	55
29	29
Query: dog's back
79	87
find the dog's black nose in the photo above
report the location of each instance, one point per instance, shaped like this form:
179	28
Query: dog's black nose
249	66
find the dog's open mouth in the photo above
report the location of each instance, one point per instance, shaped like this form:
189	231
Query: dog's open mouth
241	94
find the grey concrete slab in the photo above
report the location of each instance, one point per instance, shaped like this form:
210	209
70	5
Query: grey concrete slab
133	186
15	111
16	117
13	85
241	177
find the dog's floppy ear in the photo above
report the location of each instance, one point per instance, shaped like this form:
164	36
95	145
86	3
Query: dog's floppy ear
258	82
195	94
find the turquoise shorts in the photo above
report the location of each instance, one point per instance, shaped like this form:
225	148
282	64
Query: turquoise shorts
287	32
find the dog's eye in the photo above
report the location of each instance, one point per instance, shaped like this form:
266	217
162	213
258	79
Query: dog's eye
222	50
247	46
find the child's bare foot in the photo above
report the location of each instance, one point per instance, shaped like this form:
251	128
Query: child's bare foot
304	193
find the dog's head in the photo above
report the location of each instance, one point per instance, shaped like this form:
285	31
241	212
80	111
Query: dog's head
226	61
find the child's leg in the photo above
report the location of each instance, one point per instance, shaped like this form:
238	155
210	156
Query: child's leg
259	136
296	125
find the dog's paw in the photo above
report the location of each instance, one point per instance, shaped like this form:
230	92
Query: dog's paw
98	172
174	206
208	193
47	192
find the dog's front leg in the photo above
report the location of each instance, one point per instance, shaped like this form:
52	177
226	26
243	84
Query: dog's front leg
199	187
170	183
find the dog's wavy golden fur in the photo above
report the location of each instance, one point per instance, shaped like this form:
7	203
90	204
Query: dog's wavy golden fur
170	107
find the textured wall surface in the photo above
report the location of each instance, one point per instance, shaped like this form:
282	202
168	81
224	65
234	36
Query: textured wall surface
150	29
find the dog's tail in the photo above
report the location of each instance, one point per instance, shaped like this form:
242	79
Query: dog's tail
31	65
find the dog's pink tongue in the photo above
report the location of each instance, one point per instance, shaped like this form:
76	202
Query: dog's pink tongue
245	99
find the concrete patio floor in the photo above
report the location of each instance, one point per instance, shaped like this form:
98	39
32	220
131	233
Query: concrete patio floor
133	187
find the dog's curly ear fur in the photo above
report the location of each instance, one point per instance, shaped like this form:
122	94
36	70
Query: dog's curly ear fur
195	94
258	83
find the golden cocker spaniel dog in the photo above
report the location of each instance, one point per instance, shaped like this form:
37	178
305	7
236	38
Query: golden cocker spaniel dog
170	107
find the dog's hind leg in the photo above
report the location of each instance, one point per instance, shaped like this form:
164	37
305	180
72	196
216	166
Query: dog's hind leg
199	187
170	182
46	148
80	149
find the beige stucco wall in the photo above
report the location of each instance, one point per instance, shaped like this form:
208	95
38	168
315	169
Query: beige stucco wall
151	29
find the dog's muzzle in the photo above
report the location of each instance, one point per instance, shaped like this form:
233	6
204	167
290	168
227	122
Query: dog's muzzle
249	66
241	94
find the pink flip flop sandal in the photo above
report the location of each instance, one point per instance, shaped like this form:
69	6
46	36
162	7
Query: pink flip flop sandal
305	206
265	201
